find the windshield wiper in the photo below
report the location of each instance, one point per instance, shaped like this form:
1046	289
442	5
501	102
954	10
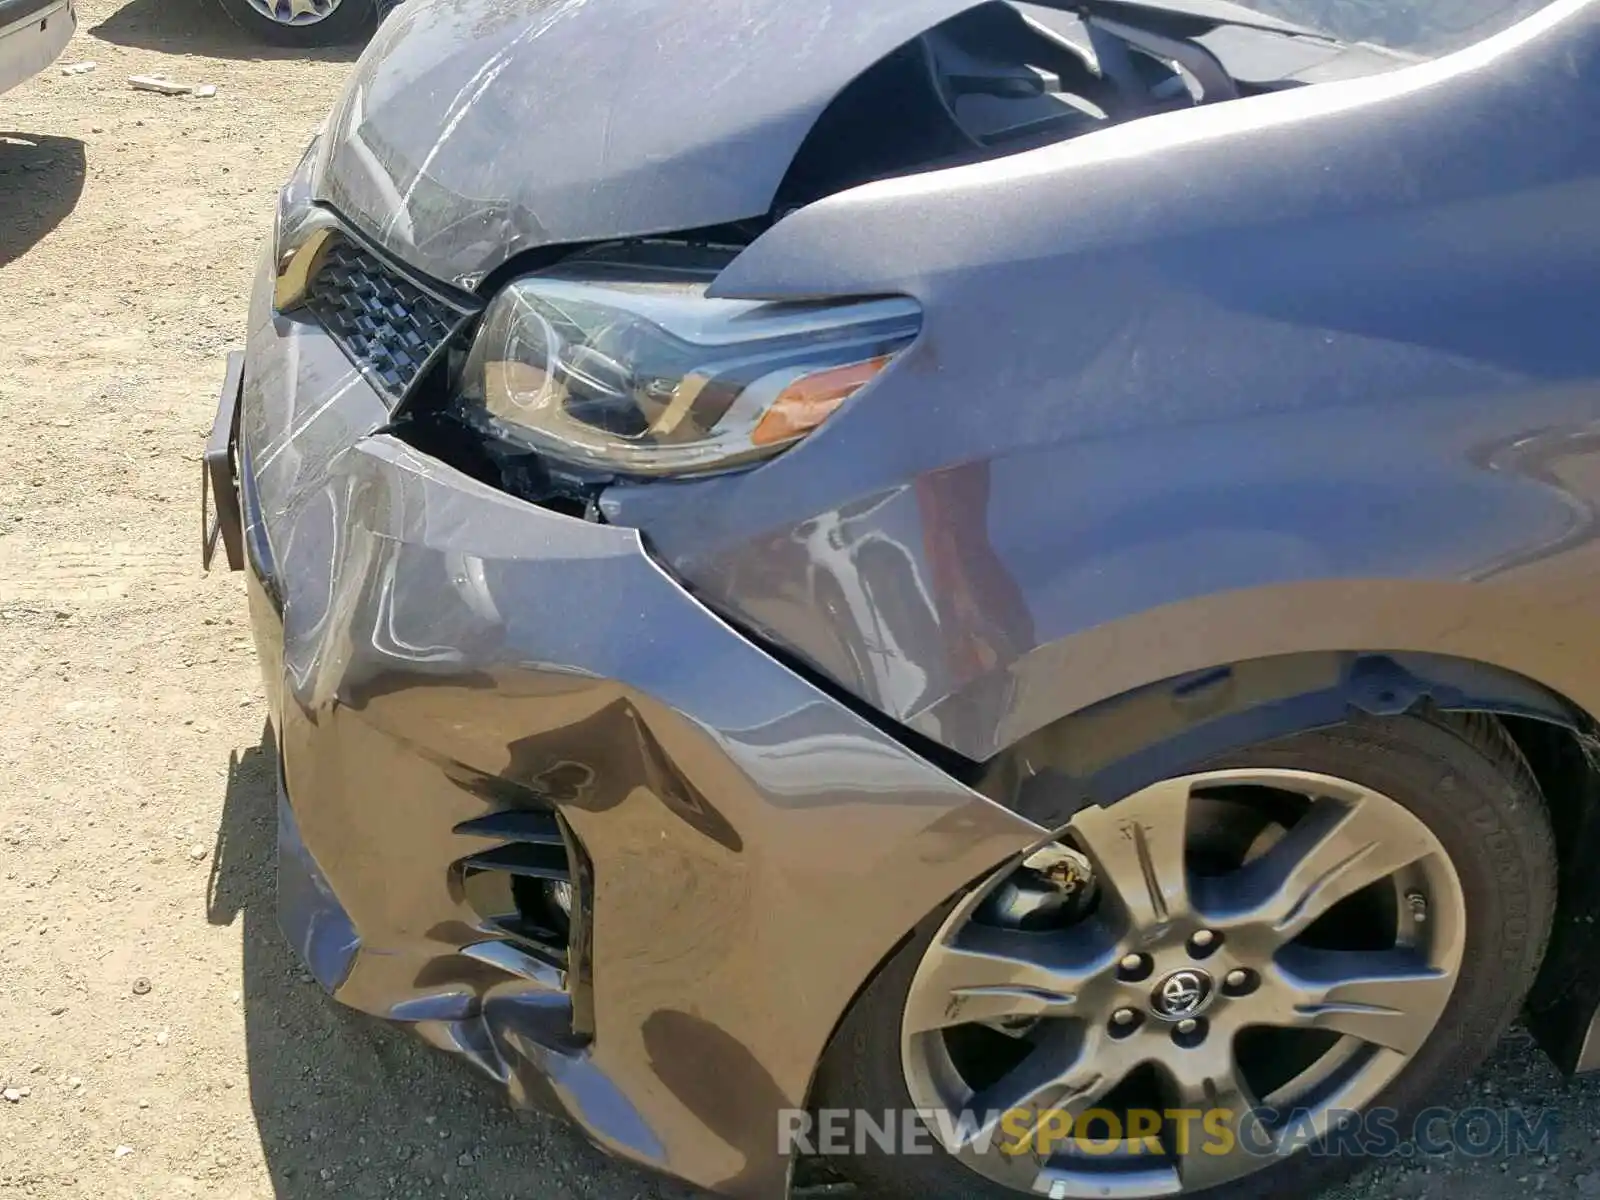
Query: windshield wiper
1114	41
1173	30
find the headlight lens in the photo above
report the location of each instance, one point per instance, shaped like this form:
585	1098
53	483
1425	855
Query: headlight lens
627	367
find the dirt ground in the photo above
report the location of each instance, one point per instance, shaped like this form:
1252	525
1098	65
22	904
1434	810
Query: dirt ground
136	837
156	1037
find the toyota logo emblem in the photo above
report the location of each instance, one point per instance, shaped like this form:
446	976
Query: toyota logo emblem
1182	995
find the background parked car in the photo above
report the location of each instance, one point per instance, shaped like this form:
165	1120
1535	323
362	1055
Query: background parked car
32	35
308	22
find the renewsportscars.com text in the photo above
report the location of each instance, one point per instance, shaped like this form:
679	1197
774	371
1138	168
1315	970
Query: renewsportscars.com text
1486	1133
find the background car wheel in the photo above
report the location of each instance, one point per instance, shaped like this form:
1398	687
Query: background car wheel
1332	922
304	22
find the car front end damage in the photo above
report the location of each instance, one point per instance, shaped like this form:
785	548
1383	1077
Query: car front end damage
543	807
618	769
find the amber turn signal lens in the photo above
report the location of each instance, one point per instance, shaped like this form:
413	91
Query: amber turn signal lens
809	401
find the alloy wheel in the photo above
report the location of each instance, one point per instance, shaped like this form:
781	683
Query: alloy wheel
295	12
1267	942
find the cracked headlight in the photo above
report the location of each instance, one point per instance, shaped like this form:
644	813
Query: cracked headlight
619	362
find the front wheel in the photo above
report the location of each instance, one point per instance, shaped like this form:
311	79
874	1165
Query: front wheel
304	23
1303	943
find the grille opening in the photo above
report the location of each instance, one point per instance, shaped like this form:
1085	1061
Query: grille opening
389	326
524	889
521	473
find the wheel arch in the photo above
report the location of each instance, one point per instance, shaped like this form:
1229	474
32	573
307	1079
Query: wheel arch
1164	728
1536	634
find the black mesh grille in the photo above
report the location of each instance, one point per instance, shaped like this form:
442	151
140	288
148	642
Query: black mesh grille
388	326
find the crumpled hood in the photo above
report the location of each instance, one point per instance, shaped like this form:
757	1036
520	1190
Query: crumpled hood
476	129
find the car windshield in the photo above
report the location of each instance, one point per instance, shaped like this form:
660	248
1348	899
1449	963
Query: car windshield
1426	27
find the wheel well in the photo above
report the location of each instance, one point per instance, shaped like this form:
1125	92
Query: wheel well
1158	731
1564	761
1565	1001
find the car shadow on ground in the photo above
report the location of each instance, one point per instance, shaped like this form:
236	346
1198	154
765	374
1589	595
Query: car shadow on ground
201	27
346	1105
41	178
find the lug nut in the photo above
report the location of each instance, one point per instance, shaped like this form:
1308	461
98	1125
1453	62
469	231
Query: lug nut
1189	1033
1133	967
1239	982
1125	1022
1202	942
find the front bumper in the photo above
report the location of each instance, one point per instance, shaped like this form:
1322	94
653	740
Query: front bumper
436	651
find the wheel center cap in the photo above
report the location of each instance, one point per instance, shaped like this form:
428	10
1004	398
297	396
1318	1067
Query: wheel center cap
1182	994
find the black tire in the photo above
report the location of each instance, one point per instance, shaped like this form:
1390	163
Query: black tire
351	22
1463	776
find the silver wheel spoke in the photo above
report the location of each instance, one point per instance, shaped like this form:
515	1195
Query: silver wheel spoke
1208	1078
1138	849
1051	1081
295	12
992	974
1391	999
1337	849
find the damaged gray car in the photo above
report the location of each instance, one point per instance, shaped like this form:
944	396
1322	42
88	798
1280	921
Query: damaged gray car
990	598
